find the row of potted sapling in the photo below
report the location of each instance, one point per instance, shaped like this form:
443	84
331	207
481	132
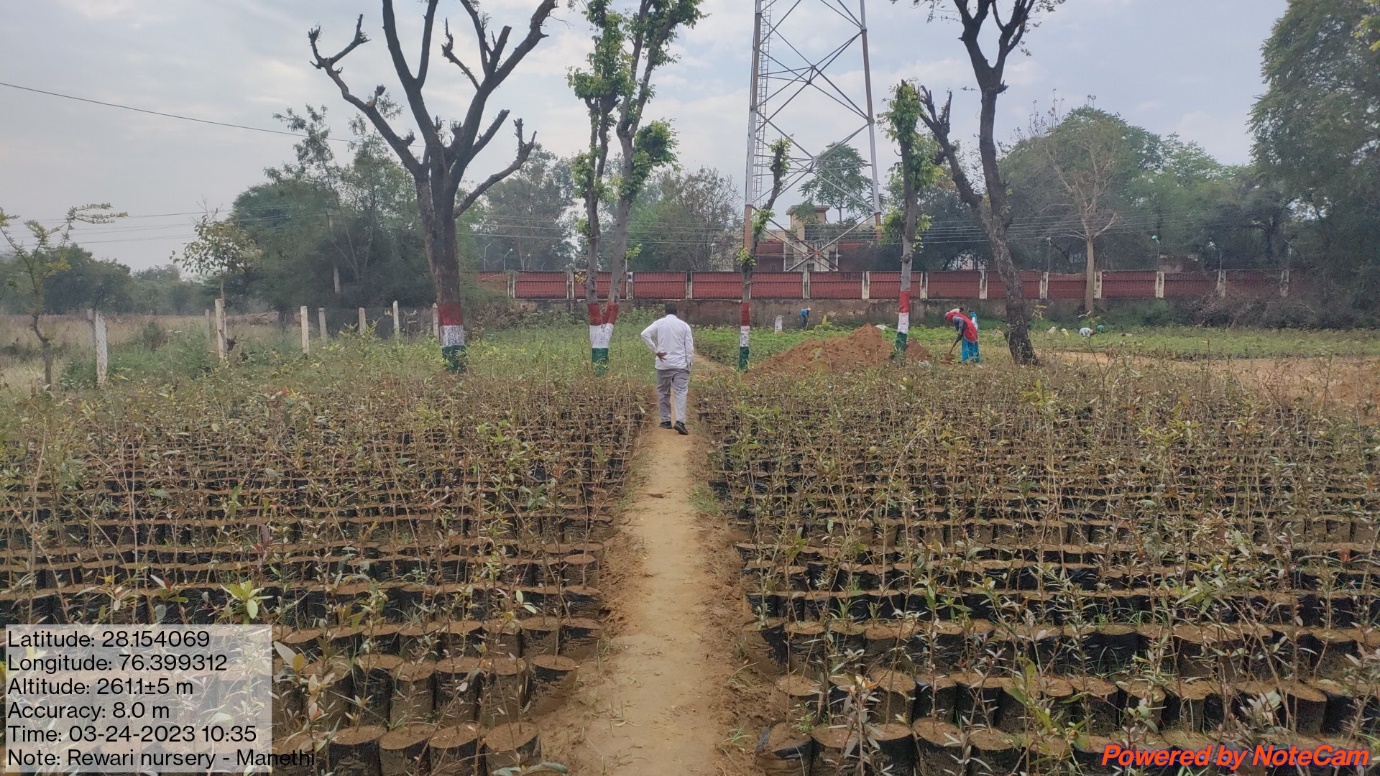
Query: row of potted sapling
430	561
1009	572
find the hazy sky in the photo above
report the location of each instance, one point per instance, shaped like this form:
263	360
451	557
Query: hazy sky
1185	66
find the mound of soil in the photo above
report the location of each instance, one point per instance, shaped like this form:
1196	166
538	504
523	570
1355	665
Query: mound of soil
862	349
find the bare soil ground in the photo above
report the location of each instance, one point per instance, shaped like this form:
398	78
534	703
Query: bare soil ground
864	348
662	698
1351	384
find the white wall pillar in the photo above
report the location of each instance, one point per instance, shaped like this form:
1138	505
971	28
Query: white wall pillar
220	329
102	349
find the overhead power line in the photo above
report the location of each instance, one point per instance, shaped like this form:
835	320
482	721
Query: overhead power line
161	113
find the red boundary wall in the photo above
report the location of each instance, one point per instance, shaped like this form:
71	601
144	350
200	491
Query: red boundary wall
961	285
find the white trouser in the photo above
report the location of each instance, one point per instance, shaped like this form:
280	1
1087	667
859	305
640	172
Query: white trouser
669	381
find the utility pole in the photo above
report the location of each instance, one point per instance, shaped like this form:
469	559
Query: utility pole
795	88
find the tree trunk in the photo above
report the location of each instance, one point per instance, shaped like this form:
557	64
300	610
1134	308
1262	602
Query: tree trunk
745	314
618	259
45	343
903	314
1089	286
443	258
1017	314
600	332
908	226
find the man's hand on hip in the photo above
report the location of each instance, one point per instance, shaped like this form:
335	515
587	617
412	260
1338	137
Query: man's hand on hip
661	355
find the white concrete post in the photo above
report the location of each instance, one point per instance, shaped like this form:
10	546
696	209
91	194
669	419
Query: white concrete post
363	324
397	321
1284	284
220	328
512	284
321	322
102	349
1159	284
867	286
306	330
436	320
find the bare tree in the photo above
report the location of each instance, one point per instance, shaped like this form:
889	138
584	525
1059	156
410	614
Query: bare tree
1086	153
616	86
447	150
994	211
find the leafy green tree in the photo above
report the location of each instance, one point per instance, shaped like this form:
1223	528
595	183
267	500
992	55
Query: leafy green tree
221	251
448	150
918	172
89	284
616	87
747	260
336	234
1316	130
162	291
839	181
46	257
1179	185
523	223
685	221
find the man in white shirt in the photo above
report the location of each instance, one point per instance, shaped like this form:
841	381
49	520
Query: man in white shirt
674	345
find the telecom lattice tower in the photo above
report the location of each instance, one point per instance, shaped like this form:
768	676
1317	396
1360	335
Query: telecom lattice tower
796	89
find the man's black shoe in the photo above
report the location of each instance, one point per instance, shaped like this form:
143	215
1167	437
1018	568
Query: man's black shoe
665	424
681	429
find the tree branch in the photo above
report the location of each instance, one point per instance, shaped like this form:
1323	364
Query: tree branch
937	121
448	51
524	150
496	52
494	74
412	87
533	37
430	21
478	20
370	108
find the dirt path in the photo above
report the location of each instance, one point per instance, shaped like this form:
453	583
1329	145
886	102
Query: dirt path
659	700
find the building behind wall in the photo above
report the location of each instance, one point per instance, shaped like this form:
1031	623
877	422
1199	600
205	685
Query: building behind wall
816	245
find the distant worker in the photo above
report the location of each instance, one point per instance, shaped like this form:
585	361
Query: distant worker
804	317
673	343
1085	332
967	334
